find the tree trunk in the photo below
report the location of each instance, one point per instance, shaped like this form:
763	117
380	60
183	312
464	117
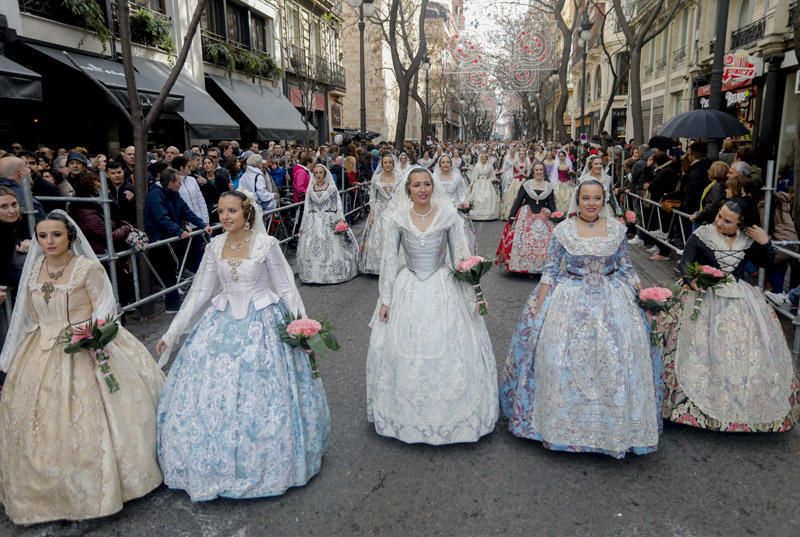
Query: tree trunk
796	211
402	115
140	174
635	93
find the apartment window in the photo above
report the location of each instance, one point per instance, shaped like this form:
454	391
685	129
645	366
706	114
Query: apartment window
214	17
258	32
293	27
598	81
622	65
238	24
677	104
316	39
685	27
745	14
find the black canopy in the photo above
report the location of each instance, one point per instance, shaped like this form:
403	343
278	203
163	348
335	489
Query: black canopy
18	82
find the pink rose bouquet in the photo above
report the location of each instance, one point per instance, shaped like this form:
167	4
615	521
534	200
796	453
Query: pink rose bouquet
557	216
654	300
93	337
465	207
341	228
705	277
471	270
630	217
313	337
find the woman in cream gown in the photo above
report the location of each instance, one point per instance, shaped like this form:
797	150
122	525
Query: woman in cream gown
431	371
69	448
483	194
381	190
563	185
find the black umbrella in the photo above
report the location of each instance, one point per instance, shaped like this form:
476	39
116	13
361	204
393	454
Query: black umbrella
703	124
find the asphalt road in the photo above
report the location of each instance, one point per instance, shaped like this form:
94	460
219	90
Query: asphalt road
698	484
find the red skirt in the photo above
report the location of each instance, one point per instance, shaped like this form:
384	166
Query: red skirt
523	246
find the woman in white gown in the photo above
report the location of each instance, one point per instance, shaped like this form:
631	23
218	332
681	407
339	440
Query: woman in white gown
519	173
431	370
506	173
381	190
594	170
452	182
483	193
69	448
323	256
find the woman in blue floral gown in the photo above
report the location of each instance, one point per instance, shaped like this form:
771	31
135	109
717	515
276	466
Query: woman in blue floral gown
240	415
580	375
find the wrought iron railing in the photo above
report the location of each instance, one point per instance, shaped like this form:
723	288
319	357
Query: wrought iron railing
661	65
679	56
142	32
748	34
240	51
338	76
297	59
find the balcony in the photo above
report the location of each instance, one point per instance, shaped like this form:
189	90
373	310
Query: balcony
322	71
661	66
149	27
338	78
679	56
748	34
234	56
297	60
55	10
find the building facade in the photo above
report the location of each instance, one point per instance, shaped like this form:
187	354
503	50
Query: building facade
238	81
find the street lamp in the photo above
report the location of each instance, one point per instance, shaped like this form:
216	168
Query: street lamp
426	66
586	35
366	8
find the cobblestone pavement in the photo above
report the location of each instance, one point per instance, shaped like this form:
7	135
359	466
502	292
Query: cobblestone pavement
698	484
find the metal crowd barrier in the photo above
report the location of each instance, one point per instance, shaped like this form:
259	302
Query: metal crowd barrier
681	220
112	257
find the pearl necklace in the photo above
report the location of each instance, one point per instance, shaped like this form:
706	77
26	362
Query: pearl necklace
422	216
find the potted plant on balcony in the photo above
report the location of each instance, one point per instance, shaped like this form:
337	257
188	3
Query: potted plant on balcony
150	30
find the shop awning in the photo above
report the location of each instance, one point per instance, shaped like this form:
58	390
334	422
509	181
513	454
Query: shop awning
205	119
272	115
111	75
18	82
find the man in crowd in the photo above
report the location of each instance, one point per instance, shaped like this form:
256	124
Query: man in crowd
170	153
165	214
13	172
77	164
129	157
122	191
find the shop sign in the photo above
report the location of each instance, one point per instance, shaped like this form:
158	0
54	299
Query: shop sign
737	70
737	97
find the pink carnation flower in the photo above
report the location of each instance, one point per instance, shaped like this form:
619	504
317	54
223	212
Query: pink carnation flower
711	271
630	217
101	322
469	262
657	294
341	227
557	214
303	327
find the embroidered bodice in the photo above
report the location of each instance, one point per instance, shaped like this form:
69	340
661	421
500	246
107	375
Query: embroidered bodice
425	252
63	304
563	175
262	278
707	246
588	259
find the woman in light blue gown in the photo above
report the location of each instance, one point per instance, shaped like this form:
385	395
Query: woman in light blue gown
240	415
580	375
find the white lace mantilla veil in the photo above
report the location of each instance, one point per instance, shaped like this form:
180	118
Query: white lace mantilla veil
376	175
331	185
21	321
556	162
185	325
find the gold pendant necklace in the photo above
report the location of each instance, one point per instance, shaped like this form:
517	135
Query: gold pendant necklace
47	291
